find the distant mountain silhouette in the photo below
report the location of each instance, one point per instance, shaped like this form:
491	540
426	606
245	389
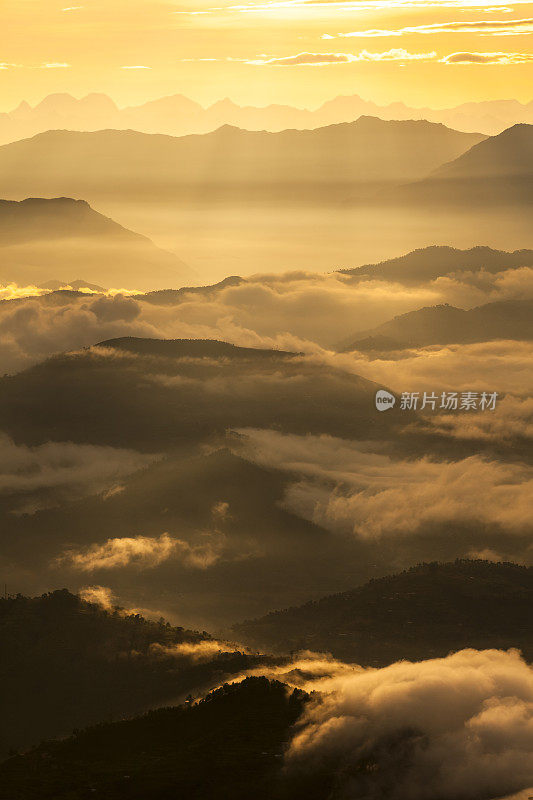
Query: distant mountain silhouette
41	237
177	115
77	285
444	324
498	171
427	611
331	163
433	262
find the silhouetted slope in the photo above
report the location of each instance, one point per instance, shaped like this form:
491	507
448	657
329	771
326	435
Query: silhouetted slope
190	348
312	165
56	218
67	663
227	746
424	612
42	238
430	263
444	324
497	171
170	393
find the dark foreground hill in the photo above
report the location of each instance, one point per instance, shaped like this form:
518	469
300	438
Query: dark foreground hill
228	746
45	239
67	663
424	612
429	263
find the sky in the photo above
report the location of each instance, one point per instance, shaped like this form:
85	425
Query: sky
302	52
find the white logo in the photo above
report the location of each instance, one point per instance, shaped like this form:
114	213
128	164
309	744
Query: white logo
384	400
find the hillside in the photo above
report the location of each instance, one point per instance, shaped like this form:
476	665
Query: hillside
214	750
429	263
427	611
169	394
444	324
42	238
497	171
68	663
326	163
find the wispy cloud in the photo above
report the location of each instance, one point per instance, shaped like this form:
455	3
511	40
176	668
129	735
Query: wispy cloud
55	65
136	66
488	58
318	6
513	27
321	59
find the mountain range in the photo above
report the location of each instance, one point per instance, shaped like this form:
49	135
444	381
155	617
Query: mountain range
177	115
237	734
333	163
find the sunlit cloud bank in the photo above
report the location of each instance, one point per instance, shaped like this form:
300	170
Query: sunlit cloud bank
198	652
147	552
348	490
305	670
285	311
442	729
513	420
143	552
496	366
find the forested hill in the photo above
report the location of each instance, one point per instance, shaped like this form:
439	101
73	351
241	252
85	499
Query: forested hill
68	663
426	611
214	750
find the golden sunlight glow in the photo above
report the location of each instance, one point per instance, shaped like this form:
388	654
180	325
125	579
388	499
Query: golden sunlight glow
134	50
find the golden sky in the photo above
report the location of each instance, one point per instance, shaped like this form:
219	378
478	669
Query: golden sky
302	52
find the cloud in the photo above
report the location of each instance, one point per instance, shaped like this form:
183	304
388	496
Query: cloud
143	552
50	473
488	58
494	366
55	65
325	7
453	727
512	421
305	670
484	27
136	66
297	311
99	595
346	489
198	652
320	59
